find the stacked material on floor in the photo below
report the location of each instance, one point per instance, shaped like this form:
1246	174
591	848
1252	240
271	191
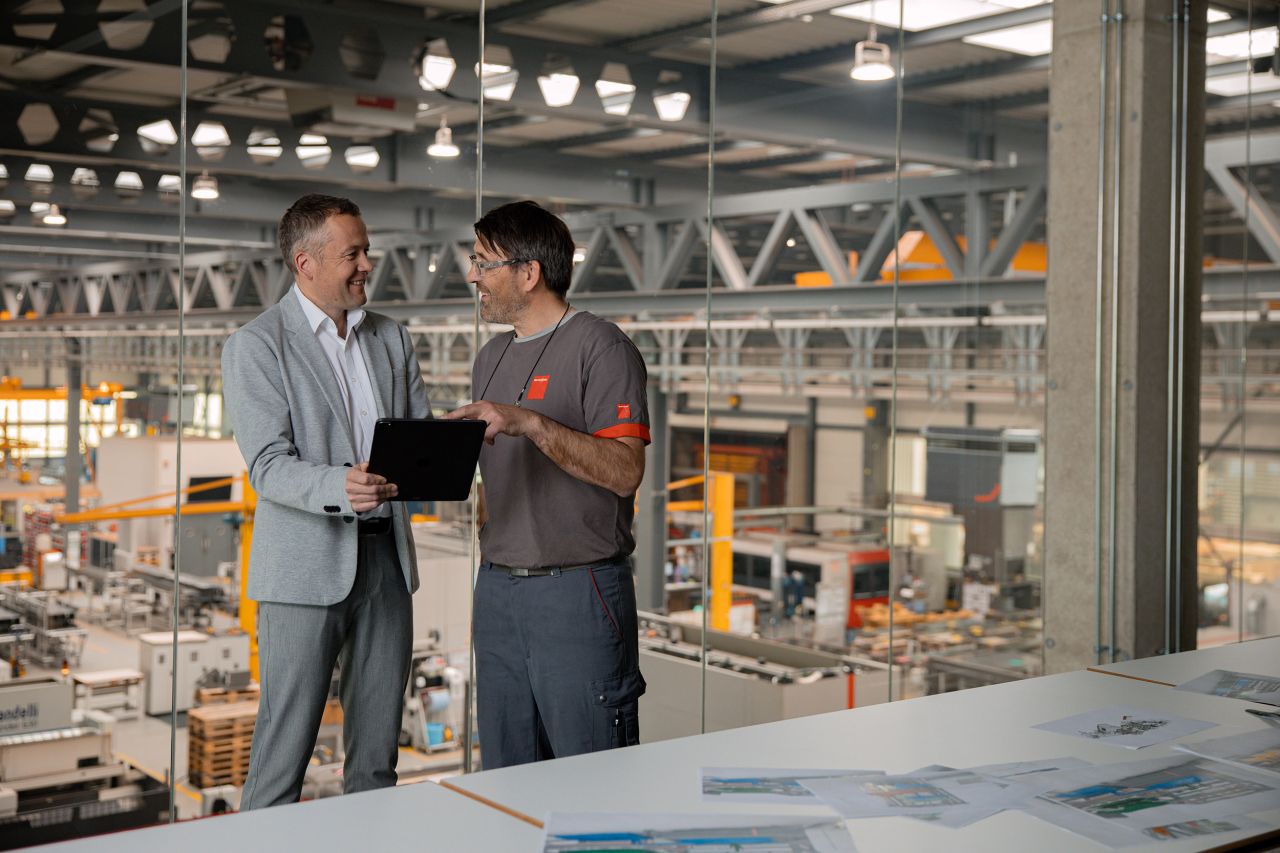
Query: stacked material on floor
224	695
218	742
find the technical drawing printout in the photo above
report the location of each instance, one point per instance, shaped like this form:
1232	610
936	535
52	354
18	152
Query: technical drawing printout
1236	685
1131	728
765	785
933	795
1258	750
1024	773
706	833
1134	802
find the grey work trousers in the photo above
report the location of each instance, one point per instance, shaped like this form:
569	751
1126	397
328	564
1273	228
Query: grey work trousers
557	663
369	634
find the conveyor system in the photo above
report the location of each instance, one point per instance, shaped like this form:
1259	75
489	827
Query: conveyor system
55	636
196	595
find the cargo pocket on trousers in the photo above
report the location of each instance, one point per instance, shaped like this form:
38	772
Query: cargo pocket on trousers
615	708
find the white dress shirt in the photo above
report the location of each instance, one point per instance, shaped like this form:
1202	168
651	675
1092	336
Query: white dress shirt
352	377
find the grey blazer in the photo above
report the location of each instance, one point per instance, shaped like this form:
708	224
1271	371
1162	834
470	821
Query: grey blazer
285	408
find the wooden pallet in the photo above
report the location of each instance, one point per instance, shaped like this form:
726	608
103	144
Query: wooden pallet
219	741
220	746
223	696
225	719
205	779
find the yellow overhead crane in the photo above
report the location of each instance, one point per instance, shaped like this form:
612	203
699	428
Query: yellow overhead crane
248	609
719	493
11	389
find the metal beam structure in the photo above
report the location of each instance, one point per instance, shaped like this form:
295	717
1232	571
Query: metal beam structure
824	56
728	24
525	10
417	262
641	249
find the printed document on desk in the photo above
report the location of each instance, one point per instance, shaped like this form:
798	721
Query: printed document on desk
953	797
1136	801
772	786
1236	685
1131	728
1258	751
1023	773
569	833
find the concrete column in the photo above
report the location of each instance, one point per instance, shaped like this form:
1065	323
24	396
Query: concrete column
74	462
651	519
1077	605
875	455
799	488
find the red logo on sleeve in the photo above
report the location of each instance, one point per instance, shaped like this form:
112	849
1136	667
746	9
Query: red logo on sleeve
538	387
624	411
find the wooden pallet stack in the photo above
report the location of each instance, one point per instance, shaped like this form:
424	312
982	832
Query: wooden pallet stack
222	695
218	741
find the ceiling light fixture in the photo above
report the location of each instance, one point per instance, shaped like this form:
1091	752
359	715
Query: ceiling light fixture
1028	39
54	216
615	96
436	72
443	146
559	88
205	187
672	106
872	60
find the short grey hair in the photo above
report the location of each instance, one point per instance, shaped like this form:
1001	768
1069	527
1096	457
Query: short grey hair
302	223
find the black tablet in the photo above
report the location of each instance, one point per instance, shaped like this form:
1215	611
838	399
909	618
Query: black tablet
429	460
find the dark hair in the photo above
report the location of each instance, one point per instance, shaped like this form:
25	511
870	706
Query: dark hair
523	229
302	223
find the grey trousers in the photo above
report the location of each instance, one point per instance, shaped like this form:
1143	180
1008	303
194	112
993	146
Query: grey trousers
369	634
557	663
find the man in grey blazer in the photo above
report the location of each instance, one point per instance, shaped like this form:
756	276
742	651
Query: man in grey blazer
332	565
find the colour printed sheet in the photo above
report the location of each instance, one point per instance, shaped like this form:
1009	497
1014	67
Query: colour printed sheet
1131	728
1025	773
1236	685
1136	801
951	797
706	833
765	785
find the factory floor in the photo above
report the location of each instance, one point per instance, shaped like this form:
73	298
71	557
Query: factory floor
144	741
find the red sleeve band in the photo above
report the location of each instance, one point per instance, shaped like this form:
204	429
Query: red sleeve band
624	431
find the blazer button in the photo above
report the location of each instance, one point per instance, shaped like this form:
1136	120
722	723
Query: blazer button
348	518
346	464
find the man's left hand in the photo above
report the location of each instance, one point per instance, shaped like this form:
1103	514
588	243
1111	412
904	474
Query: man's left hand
501	418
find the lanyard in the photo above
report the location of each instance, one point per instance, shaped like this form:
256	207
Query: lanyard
541	352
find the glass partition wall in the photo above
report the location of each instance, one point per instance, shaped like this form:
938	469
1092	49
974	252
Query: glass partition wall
896	447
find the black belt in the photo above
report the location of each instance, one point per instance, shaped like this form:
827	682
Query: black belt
374	526
543	571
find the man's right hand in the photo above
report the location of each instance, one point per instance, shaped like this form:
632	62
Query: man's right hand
368	491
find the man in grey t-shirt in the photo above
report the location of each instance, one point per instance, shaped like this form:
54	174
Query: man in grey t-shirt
554	624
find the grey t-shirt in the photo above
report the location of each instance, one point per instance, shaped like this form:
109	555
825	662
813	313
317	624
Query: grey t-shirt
591	378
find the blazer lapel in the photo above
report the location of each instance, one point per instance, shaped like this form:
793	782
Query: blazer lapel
304	341
378	359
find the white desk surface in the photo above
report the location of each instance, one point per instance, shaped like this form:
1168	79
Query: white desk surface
424	816
962	729
1260	657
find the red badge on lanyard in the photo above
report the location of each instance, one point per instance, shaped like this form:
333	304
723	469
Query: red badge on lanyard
538	387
